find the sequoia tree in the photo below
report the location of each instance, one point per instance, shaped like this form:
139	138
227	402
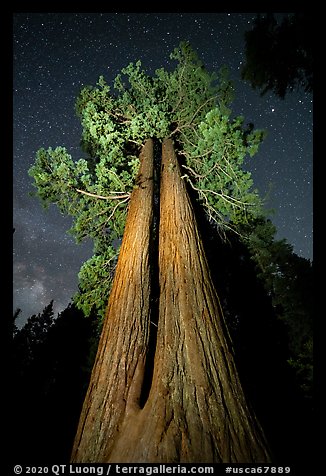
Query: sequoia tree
164	386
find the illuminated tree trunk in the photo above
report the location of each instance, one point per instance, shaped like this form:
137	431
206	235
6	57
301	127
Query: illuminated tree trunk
117	375
195	410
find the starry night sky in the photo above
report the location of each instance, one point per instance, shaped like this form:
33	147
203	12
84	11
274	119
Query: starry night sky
55	54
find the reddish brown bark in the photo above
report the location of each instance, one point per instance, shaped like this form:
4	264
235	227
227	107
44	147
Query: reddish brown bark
117	376
196	410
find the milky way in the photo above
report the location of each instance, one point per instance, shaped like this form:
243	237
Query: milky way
55	54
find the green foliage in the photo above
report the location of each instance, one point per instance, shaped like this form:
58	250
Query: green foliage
288	280
188	104
215	152
99	269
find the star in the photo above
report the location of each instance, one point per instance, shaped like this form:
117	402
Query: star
55	54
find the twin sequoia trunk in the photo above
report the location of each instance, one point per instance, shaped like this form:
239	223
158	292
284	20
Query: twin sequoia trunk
195	411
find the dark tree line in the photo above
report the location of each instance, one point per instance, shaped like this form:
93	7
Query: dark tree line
267	298
51	361
268	309
266	295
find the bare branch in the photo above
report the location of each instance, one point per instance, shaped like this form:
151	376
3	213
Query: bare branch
109	197
228	198
117	205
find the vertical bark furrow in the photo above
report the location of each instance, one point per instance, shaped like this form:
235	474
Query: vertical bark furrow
190	314
118	371
195	410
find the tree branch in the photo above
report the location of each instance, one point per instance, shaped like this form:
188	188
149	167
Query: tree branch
109	197
227	198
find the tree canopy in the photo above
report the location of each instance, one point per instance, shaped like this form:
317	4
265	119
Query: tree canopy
188	104
278	56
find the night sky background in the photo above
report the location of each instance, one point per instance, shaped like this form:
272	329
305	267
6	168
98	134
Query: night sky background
55	54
